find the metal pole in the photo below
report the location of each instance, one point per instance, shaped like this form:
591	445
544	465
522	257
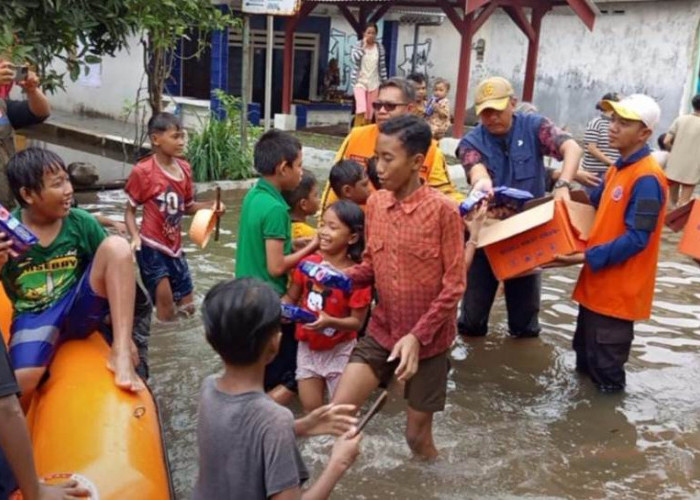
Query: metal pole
268	70
245	78
416	29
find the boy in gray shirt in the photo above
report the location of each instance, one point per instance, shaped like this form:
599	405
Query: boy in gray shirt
247	442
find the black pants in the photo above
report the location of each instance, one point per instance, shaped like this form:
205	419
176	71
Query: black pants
8	484
602	346
522	301
282	370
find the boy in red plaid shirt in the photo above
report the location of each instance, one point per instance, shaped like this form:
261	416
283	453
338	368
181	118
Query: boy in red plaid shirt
415	258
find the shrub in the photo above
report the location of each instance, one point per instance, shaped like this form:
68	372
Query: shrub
216	153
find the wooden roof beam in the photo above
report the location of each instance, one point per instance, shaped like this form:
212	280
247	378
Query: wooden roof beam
379	13
473	5
350	18
484	16
584	9
451	14
517	14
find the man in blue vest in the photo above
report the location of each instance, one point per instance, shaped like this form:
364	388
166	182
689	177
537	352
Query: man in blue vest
507	149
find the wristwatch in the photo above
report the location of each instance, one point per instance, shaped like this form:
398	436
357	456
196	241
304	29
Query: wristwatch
562	184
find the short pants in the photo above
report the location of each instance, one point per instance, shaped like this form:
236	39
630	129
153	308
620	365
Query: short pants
282	369
426	391
155	265
327	365
35	336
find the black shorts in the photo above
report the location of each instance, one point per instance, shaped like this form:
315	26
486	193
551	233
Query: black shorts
282	370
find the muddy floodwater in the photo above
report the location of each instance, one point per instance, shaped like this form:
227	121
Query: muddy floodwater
519	421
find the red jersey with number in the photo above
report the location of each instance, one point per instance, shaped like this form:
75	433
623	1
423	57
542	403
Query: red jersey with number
316	298
164	198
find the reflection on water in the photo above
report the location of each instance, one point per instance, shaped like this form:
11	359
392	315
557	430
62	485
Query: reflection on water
519	420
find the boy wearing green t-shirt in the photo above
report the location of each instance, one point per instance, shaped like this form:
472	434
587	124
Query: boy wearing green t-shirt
65	285
264	248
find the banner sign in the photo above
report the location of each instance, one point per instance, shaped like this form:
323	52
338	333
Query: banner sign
271	7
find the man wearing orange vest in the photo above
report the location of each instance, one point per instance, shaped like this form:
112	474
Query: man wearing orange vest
616	285
396	97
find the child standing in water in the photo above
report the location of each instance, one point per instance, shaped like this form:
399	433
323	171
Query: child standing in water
247	442
349	181
416	259
325	345
303	201
162	184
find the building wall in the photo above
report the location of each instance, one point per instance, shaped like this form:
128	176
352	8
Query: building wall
119	80
651	48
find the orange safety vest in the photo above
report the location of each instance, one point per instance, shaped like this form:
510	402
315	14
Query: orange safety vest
625	290
360	146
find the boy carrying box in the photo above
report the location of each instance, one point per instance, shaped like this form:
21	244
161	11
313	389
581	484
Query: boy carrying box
65	285
162	184
616	285
265	242
415	257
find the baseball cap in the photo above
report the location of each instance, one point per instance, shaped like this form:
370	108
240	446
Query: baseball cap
610	96
493	93
637	107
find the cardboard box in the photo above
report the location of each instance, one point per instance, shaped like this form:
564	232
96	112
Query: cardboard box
534	237
678	218
690	241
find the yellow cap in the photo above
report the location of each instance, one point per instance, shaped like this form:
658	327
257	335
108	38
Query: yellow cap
637	107
621	110
493	93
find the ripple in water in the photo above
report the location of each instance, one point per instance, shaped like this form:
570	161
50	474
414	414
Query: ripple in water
519	421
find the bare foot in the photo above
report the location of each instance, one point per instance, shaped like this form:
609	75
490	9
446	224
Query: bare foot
124	374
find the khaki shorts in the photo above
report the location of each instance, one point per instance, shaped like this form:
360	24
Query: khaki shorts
426	391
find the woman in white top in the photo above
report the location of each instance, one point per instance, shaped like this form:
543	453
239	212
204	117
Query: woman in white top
368	71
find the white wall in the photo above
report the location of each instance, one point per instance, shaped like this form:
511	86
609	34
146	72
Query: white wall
650	49
119	81
440	43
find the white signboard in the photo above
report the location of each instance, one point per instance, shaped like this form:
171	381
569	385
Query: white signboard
271	7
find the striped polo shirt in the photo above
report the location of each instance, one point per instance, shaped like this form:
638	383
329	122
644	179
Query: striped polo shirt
597	133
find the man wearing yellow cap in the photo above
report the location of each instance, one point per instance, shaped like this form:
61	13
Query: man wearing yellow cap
616	285
507	149
396	97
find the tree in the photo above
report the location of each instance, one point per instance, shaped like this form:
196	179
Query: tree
77	32
80	32
164	24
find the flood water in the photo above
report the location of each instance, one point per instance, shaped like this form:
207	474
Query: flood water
519	421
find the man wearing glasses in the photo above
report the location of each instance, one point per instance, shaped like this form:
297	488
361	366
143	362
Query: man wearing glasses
397	96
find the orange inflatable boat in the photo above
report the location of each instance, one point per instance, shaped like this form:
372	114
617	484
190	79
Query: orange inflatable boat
83	426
